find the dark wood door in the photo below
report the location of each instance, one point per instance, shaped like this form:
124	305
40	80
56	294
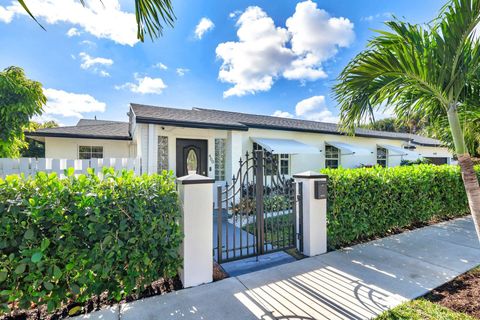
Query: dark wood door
191	156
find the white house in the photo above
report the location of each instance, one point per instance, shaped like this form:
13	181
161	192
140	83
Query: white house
213	141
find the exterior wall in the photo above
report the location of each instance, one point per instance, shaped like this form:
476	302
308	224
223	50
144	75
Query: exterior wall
239	142
174	133
67	148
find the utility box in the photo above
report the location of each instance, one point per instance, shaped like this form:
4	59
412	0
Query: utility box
320	189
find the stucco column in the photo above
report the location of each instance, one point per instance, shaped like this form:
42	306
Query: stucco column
196	198
312	212
234	152
152	150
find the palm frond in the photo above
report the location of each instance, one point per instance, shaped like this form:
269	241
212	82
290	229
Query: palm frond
151	16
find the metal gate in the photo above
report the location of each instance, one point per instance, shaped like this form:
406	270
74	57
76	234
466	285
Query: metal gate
257	213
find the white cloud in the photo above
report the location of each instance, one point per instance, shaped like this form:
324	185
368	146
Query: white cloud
282	114
144	85
310	104
203	26
234	14
160	66
265	52
182	71
384	15
69	104
95	64
6	15
89	61
103	19
103	73
252	63
72	32
313	108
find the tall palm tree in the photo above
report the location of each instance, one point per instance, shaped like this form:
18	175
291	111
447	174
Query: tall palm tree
430	70
150	14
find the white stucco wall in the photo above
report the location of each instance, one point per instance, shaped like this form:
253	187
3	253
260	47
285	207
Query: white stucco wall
238	142
67	148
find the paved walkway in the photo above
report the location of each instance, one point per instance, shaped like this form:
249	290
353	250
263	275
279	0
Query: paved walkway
355	283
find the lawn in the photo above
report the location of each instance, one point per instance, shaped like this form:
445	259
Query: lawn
422	309
457	299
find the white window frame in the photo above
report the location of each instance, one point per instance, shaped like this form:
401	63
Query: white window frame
90	152
383	159
332	158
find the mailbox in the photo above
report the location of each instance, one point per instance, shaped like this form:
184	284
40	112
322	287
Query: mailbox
320	189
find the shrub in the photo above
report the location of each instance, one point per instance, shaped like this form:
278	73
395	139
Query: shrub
368	202
69	239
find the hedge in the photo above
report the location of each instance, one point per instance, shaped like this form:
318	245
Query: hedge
368	202
70	239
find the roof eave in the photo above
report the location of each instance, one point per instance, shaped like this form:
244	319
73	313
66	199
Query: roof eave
189	124
75	135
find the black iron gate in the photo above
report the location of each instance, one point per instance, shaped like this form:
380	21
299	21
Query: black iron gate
257	212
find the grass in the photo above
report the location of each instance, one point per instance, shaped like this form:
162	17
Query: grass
422	309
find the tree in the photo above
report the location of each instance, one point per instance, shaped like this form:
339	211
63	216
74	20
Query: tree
427	70
34	148
20	99
150	14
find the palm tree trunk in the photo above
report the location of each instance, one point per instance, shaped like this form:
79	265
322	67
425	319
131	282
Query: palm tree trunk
469	175
472	188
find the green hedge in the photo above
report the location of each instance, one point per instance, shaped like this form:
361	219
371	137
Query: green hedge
368	202
70	239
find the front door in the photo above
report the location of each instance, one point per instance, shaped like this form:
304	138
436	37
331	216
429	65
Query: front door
191	157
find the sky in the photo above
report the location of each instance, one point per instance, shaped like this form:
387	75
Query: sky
266	57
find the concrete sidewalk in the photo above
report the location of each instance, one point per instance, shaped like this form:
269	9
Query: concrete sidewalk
354	283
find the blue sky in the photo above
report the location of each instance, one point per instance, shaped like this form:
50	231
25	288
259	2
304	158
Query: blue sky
284	59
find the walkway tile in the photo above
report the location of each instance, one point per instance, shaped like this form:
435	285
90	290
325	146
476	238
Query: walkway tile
212	301
354	283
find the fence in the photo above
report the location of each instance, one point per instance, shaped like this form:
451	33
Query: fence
30	166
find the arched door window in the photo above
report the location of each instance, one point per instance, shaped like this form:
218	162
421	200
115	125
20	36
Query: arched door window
192	160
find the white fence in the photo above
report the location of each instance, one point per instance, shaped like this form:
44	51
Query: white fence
30	166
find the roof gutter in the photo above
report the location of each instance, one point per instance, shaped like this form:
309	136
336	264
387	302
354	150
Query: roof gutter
74	135
190	124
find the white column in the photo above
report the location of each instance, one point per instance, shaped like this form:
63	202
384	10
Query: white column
314	213
152	150
196	197
235	152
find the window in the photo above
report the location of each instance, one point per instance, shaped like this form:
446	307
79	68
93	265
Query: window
281	161
220	159
284	163
162	155
332	157
90	152
382	155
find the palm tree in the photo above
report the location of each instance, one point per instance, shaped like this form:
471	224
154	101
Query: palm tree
150	14
427	70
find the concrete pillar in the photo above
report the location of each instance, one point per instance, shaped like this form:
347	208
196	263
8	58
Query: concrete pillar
152	150
312	211
234	149
196	197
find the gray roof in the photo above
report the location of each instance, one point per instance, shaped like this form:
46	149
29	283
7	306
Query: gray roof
218	119
88	128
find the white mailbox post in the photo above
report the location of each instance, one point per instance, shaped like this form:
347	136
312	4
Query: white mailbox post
313	208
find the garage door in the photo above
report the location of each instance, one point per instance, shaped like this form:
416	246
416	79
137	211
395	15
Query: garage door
437	161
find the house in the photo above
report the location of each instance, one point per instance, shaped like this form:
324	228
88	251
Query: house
212	142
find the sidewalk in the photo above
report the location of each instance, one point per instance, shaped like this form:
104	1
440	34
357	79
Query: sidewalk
354	283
